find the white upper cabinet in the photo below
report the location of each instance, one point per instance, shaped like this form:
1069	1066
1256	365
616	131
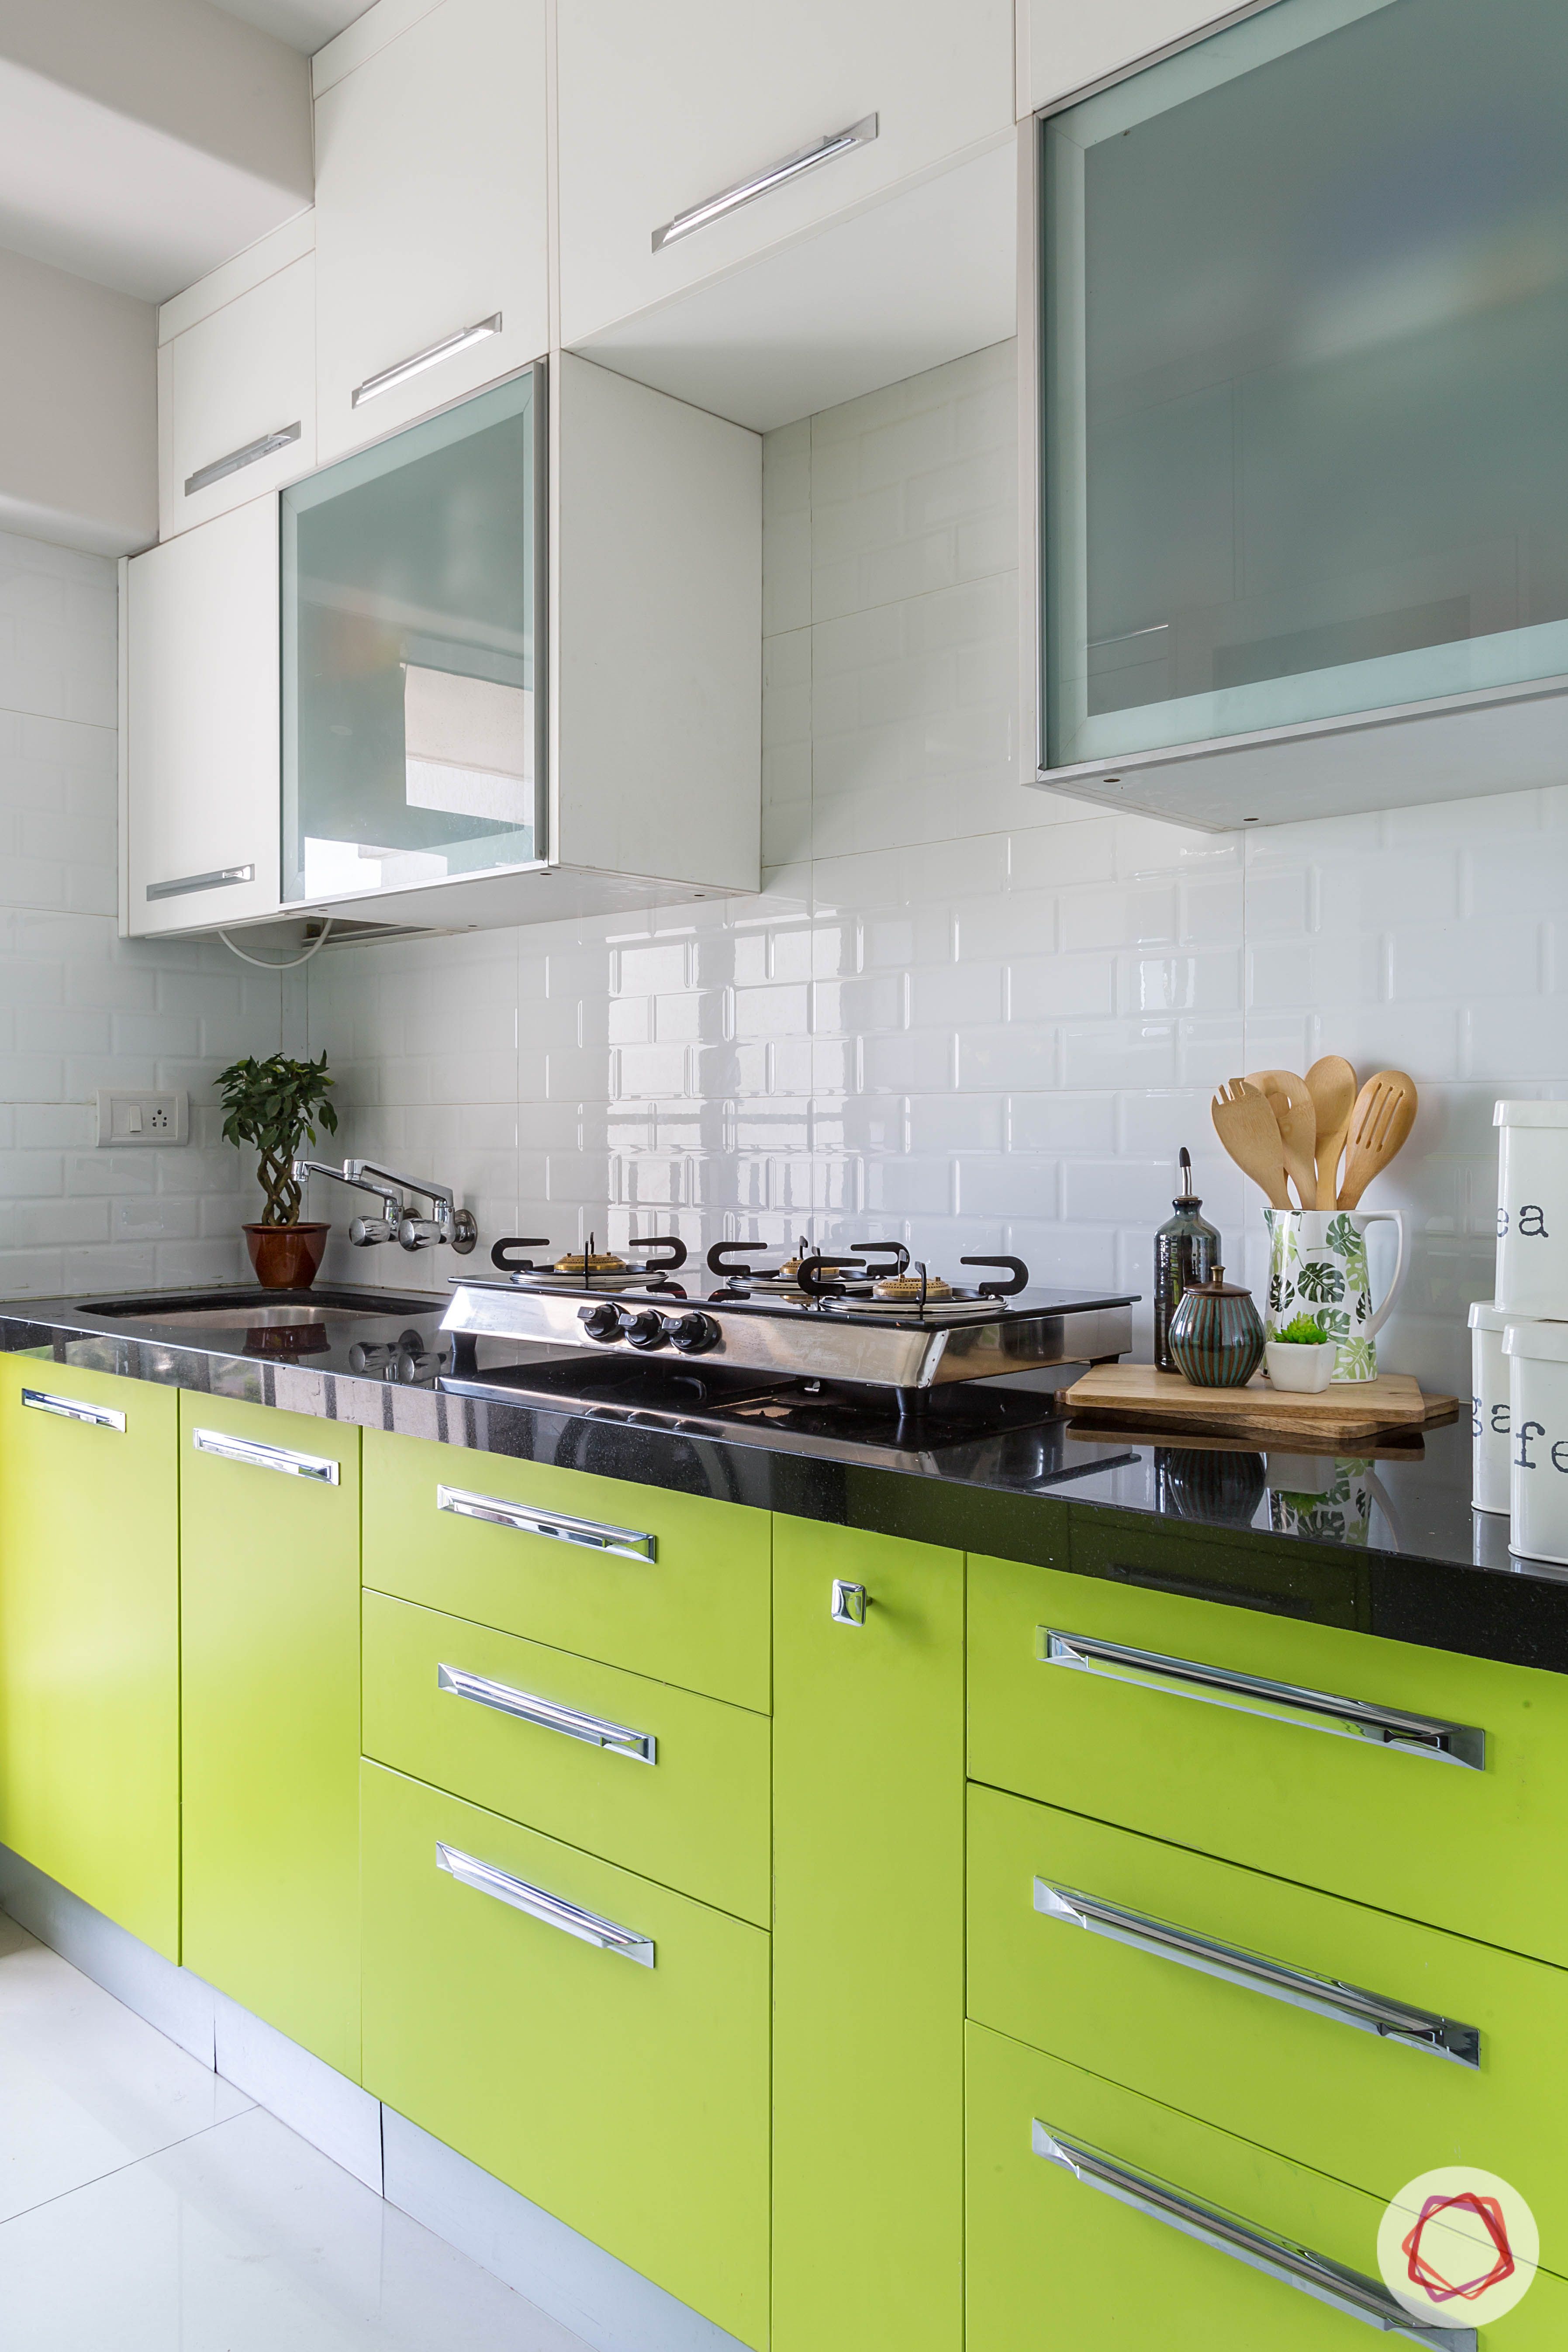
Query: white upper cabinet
199	729
236	385
1064	46
662	110
430	213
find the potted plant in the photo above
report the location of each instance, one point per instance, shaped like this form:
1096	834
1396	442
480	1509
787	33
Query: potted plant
271	1105
1301	1356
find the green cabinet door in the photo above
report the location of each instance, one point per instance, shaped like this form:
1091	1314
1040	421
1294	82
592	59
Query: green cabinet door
89	1639
269	1525
867	1945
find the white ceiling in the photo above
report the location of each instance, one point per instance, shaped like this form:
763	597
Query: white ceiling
115	200
305	25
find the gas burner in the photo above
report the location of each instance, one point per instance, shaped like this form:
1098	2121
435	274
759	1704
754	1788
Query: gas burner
593	1269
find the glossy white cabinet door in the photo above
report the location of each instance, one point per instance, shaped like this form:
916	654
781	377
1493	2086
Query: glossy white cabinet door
238	377
661	107
1066	45
431	214
201	742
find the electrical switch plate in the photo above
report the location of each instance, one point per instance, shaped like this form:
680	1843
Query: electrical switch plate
125	1118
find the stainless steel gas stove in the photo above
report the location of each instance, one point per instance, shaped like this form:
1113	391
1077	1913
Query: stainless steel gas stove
863	1325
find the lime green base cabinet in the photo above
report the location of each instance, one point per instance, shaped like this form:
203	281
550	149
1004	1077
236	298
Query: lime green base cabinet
89	1639
270	1517
867	1945
1058	2266
625	2093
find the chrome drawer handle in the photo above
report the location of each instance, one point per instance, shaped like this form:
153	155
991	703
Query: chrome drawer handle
220	878
97	1416
762	183
389	378
319	1466
586	1926
221	467
591	1728
1346	1718
1370	2012
625	1542
1261	2249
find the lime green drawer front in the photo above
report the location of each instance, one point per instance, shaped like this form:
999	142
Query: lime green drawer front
675	1586
270	1600
1128	1994
90	1638
630	2100
1188	1748
657	1779
1056	2264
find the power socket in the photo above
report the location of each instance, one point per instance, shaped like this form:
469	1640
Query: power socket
125	1119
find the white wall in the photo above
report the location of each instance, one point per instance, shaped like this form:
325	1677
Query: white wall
962	1013
79	428
79	1007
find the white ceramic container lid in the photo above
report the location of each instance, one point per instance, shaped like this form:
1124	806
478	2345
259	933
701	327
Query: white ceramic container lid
1537	1342
1529	1113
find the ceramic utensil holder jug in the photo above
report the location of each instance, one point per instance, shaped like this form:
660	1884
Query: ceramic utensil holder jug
1316	1266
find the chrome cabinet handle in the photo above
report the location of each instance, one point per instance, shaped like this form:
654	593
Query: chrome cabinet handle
220	878
586	1926
97	1416
729	200
850	1603
221	467
319	1466
592	1730
1312	1710
1246	2241
626	1543
1394	2021
388	378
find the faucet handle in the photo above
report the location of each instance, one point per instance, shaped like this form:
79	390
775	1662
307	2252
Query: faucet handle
418	1233
363	1230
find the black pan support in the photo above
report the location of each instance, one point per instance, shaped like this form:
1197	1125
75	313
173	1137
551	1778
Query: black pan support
501	1258
1015	1268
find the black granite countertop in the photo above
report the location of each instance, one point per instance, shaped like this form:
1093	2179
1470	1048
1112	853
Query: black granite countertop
1385	1540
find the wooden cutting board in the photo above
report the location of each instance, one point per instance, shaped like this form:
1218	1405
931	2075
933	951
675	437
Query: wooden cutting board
1350	1409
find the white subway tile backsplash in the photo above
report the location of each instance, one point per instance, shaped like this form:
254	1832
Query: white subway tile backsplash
961	1013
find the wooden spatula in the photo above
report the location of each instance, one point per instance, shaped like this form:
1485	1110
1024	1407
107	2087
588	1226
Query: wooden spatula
1331	1085
1250	1133
1383	1116
1289	1099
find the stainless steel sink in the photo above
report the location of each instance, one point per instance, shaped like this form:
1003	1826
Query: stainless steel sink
267	1310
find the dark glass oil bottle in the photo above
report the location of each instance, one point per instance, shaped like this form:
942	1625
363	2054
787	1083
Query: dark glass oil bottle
1185	1249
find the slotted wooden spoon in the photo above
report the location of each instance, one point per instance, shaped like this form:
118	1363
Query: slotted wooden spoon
1250	1133
1289	1099
1332	1083
1383	1116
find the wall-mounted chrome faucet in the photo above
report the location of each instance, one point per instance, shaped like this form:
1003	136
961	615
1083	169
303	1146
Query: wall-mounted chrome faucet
397	1221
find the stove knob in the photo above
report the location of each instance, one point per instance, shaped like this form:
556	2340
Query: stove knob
646	1330
695	1334
601	1322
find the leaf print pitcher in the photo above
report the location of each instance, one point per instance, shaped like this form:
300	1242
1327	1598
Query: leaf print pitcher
1316	1266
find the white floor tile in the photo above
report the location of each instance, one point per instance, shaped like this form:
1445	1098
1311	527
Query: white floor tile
88	2087
246	2239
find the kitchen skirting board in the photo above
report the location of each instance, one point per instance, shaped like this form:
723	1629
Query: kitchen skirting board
611	2306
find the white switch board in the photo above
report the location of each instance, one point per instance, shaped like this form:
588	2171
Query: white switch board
126	1119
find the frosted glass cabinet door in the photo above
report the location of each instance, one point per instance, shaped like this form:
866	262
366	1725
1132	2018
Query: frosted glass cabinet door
412	729
1305	349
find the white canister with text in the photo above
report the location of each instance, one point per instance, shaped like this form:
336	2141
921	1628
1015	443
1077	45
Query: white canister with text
1537	1356
1489	1451
1532	1207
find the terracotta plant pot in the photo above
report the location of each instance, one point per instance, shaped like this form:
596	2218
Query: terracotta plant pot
285	1257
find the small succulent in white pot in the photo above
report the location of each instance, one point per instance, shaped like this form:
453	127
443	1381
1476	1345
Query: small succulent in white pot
1301	1357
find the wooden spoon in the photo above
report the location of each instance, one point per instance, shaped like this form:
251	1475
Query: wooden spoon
1250	1133
1383	1116
1331	1085
1289	1099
